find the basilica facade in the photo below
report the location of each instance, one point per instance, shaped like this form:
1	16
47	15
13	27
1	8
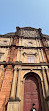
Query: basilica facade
24	70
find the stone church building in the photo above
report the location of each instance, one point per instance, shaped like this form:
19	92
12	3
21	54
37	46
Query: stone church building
24	70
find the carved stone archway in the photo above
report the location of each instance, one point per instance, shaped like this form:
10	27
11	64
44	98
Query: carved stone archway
37	78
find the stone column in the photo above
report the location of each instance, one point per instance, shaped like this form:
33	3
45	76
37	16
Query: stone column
43	89
13	91
1	69
21	107
39	43
21	55
45	79
20	41
18	54
47	72
18	87
39	51
47	97
14	105
41	96
42	55
2	72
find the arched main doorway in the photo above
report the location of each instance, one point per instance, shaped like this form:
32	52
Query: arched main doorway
31	93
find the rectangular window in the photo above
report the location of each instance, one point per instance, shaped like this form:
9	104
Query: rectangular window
30	59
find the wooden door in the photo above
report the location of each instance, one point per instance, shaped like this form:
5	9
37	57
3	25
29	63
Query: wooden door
31	94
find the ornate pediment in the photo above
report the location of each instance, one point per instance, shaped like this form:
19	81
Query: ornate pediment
28	32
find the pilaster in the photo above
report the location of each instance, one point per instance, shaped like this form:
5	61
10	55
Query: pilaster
45	80
13	90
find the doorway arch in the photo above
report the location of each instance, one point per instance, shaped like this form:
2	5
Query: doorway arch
32	91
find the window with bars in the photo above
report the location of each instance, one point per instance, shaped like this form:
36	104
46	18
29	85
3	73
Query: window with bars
30	59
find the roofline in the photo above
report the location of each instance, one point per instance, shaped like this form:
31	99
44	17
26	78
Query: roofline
12	34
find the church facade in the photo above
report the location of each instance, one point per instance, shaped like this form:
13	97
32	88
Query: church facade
24	70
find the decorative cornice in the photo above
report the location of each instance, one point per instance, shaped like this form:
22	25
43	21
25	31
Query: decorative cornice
14	100
10	46
24	64
16	35
40	37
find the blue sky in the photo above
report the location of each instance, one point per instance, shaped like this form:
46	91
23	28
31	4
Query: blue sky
33	13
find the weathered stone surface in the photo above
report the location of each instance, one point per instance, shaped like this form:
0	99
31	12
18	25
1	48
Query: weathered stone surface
13	77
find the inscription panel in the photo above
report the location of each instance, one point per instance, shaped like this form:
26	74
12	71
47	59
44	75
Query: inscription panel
27	33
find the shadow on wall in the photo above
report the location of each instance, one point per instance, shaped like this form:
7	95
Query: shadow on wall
6	107
47	99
